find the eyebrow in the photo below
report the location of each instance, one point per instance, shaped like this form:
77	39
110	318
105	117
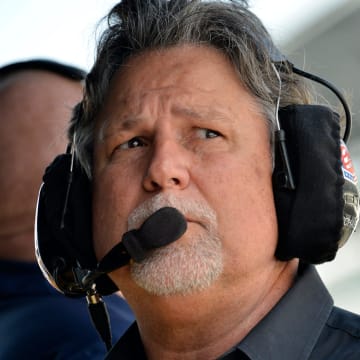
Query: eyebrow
202	113
129	122
125	123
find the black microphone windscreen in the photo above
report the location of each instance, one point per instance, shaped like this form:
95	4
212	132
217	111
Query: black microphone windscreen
161	228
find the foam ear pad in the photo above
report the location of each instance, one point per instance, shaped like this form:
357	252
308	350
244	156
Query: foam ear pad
68	246
310	218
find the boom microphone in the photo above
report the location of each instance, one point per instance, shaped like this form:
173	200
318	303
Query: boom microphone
162	228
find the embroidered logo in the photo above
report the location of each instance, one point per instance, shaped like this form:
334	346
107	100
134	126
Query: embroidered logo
347	164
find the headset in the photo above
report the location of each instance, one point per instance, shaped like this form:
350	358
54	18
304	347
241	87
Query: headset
314	184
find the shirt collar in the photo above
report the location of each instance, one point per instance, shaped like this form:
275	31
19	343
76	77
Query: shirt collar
129	346
291	329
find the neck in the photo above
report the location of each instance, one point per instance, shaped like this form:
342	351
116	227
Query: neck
205	325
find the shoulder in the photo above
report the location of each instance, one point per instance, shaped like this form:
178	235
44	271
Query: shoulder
340	338
345	321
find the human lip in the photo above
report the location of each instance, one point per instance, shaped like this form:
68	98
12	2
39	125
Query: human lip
195	221
190	219
140	220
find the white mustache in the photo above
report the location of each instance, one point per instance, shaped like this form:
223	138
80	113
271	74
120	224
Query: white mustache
194	210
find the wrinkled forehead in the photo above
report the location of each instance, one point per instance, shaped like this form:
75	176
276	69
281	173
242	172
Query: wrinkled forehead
192	80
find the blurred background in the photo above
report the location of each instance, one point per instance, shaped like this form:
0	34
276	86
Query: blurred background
321	36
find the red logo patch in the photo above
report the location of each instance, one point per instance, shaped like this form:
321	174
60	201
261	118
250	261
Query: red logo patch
347	165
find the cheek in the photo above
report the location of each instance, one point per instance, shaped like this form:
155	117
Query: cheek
241	194
112	202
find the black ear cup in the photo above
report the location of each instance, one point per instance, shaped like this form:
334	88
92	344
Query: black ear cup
311	217
63	231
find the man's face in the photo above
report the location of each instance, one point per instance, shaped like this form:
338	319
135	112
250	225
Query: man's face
178	128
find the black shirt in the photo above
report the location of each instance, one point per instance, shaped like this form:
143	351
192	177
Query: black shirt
304	325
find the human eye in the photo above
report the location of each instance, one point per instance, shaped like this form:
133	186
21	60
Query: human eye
133	143
208	133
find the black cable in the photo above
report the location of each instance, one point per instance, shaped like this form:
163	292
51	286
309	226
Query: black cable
336	92
99	316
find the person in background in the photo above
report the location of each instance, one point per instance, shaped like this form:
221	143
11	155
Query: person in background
37	322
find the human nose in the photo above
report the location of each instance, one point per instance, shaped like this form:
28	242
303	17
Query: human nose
168	168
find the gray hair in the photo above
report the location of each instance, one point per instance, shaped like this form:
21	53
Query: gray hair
137	26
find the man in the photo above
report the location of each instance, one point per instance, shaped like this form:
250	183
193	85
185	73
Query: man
37	322
181	111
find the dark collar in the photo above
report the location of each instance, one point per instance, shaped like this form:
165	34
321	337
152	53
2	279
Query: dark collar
293	326
289	331
129	347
